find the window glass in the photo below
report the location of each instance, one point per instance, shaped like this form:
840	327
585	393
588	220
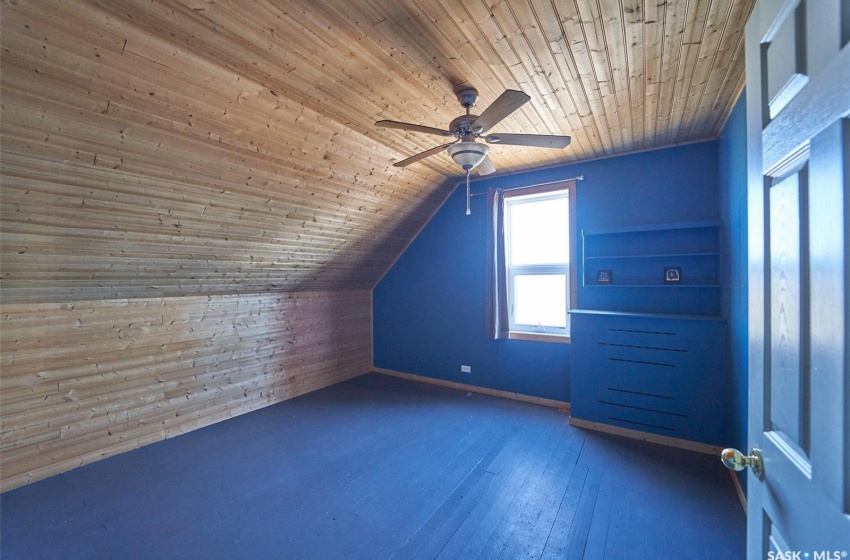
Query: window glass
540	300
539	232
537	244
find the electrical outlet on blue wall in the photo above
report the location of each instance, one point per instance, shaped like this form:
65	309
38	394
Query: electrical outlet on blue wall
466	369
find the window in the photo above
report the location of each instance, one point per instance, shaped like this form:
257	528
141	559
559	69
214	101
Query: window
538	247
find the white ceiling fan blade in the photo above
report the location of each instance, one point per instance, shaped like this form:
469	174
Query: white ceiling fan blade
421	155
504	105
414	128
486	167
537	140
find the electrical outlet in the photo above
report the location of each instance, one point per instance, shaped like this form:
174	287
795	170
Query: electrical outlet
466	369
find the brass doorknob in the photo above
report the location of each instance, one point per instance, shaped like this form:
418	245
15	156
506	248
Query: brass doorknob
737	461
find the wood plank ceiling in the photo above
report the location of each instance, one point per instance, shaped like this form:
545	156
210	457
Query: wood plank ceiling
167	147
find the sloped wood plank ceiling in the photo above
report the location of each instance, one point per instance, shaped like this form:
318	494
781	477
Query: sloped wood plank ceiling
166	147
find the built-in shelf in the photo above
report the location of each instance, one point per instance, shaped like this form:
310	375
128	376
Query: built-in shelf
635	260
653	227
660	256
671	316
666	286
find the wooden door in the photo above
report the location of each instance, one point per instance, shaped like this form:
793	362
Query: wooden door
798	143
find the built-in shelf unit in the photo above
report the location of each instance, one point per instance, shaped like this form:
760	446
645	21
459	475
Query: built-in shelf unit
634	260
649	351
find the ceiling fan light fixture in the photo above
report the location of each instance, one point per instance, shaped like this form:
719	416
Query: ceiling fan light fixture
468	155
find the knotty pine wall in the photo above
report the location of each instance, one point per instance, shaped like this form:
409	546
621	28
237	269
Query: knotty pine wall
154	183
85	380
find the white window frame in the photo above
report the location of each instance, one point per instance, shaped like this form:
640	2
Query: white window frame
535	194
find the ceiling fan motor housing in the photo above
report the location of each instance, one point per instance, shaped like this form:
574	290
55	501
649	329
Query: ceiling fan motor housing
460	126
467	97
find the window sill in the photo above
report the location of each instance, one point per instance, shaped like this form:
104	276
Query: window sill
540	337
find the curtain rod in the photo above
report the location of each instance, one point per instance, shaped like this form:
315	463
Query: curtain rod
576	178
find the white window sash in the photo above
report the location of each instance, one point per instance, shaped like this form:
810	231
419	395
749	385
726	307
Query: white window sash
537	270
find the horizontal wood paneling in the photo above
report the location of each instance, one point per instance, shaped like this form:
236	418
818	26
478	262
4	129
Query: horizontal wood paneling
84	380
139	160
168	147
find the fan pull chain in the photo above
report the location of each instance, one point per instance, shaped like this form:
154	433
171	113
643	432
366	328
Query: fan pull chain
468	196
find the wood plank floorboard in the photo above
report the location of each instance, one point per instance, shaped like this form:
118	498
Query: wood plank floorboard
510	469
503	497
469	482
527	500
523	537
380	468
568	536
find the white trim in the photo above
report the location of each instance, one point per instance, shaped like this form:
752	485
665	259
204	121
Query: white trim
530	195
539	337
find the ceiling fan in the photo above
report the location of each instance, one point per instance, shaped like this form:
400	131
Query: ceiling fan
465	129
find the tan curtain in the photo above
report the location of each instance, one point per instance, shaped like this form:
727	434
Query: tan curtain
497	292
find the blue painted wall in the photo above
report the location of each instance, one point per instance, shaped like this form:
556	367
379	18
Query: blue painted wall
732	162
429	309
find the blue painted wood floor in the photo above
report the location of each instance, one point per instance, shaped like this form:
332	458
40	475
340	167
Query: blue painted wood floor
377	468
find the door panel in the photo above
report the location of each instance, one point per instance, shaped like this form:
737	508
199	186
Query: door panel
777	542
786	61
830	451
787	375
798	101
